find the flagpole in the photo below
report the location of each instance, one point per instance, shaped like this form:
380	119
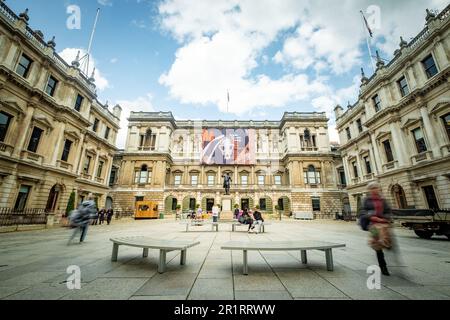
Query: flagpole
368	43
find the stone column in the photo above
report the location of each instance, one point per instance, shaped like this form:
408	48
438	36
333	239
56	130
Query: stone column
79	155
398	144
59	133
346	170
429	132
302	178
236	175
411	77
441	55
252	176
94	172
376	154
219	178
323	173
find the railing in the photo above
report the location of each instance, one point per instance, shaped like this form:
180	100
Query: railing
6	147
123	213
12	217
7	12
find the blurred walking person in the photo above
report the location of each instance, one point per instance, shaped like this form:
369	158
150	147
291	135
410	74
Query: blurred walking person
377	212
81	217
215	213
102	215
109	215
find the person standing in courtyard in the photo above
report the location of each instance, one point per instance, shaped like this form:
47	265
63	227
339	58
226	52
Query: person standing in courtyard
102	216
81	217
376	209
215	213
109	215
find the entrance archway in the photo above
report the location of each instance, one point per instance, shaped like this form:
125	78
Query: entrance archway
284	204
399	196
189	203
53	198
109	203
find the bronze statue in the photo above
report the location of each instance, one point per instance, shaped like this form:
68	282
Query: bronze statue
227	183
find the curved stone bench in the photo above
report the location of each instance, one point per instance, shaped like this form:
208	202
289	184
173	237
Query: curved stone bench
146	243
302	246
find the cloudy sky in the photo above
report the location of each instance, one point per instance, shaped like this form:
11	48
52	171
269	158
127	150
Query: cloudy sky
271	56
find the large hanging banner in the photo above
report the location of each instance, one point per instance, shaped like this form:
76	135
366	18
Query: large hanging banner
228	146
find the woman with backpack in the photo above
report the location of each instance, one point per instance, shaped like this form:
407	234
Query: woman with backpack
375	218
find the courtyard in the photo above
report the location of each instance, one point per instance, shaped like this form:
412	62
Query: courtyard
33	265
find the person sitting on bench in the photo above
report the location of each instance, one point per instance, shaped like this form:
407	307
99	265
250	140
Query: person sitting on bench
258	219
246	219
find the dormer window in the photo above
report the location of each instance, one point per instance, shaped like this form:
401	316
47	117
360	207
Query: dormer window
51	86
78	102
376	102
24	66
429	66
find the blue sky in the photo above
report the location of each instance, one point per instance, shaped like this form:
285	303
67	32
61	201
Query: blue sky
273	56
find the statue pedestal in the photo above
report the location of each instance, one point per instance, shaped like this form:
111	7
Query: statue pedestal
227	211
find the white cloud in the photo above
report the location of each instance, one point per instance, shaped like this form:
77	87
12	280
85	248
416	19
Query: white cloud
69	55
143	103
319	39
105	2
114	60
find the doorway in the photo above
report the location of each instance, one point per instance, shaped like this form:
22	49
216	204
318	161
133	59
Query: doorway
53	198
245	204
209	205
109	203
192	204
430	195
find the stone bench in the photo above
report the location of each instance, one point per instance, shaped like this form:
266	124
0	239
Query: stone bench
146	243
238	224
304	215
197	223
302	246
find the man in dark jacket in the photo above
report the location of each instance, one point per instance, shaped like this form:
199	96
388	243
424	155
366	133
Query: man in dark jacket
258	219
109	215
379	211
80	218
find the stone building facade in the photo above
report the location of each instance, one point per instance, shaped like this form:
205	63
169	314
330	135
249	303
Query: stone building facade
398	132
55	136
291	165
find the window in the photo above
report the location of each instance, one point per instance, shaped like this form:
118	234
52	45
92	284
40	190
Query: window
342	177
419	140
95	126
5	120
368	167
194	180
66	150
211	180
312	176
24	66
261	180
78	102
142	176
138	198
262	204
177	181
278	180
112	177
388	151
355	169
22	197
315	204
403	85
100	169
359	125
349	134
244	180
51	86
34	140
107	132
429	66
445	119
87	164
376	102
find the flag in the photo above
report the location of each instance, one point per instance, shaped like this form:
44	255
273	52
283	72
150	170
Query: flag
367	25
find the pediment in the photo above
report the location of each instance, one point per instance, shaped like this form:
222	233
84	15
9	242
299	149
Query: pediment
382	134
43	120
410	122
12	105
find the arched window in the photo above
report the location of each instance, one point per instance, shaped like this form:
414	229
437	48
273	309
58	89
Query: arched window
312	176
141	177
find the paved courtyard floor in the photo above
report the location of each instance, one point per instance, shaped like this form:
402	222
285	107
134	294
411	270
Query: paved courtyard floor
33	265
